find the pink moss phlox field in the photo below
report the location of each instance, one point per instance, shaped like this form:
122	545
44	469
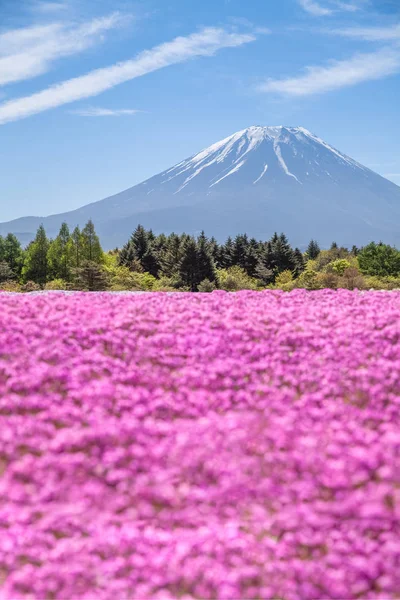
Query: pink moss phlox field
200	446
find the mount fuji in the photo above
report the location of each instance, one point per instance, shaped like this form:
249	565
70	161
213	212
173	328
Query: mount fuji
258	180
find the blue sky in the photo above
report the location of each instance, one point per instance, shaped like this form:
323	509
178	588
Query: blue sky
98	95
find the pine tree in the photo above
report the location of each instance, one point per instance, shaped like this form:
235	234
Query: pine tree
252	257
205	261
172	256
12	253
313	250
35	263
225	254
139	249
299	262
266	266
60	255
239	251
76	246
188	269
91	248
5	272
90	276
283	254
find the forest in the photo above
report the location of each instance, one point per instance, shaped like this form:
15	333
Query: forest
148	262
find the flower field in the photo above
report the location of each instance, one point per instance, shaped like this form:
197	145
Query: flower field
208	446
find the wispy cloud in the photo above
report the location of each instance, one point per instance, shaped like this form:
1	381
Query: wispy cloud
29	52
328	8
49	7
337	74
205	43
314	8
370	34
104	112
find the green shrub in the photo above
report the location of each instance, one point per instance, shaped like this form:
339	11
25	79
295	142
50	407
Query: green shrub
56	284
206	286
235	279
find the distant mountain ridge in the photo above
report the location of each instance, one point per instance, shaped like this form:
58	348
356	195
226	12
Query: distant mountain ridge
258	180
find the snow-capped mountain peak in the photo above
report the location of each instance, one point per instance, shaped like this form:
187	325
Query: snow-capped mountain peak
257	180
258	154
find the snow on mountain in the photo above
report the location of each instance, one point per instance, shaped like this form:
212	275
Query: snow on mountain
258	180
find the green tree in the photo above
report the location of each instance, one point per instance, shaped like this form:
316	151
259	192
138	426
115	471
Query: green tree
313	250
90	276
172	256
76	248
142	249
60	255
188	268
91	248
12	253
379	259
205	261
35	262
5	272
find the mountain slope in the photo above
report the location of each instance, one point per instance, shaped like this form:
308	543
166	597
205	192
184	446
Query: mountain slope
258	180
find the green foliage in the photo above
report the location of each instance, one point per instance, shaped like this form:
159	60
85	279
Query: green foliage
12	254
5	272
35	262
91	250
188	266
142	249
205	261
284	281
234	279
313	250
309	279
124	279
57	284
90	276
380	260
206	286
60	255
10	286
339	266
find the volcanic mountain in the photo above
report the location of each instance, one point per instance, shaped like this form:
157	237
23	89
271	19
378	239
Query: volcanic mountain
259	180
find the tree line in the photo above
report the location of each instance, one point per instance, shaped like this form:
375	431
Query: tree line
75	260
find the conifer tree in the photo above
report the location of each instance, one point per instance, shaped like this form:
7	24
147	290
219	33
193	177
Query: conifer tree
188	269
90	276
313	250
172	257
283	254
205	261
239	251
5	272
91	248
35	263
299	262
60	255
76	244
139	250
225	255
12	253
266	266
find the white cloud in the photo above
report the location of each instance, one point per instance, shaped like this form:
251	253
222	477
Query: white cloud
314	8
104	112
371	34
325	10
338	74
205	43
49	7
29	52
